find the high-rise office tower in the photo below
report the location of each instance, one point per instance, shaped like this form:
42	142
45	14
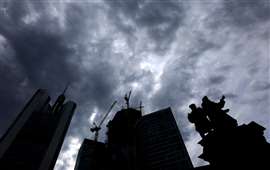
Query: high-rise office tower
159	143
34	139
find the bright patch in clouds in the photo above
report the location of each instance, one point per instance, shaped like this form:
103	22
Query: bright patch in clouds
93	116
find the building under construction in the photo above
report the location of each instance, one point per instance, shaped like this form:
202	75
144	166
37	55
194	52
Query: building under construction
136	142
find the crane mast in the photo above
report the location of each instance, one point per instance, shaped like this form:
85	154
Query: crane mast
96	127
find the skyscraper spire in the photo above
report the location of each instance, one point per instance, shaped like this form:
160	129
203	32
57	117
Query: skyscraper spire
60	100
65	89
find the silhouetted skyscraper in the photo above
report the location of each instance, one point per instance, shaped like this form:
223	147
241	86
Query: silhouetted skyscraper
159	143
34	139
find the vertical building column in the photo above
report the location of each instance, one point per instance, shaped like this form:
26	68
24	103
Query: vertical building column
51	155
36	103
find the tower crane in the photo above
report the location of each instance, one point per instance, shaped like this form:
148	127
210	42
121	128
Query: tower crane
96	127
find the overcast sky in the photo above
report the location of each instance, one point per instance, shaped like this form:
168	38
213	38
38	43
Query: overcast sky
170	53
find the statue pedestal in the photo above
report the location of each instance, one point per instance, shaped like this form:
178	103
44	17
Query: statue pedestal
238	147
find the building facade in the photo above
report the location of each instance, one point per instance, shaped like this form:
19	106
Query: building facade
159	143
34	139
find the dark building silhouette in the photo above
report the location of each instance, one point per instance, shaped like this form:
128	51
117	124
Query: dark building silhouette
205	167
159	143
242	147
34	139
92	155
121	139
136	142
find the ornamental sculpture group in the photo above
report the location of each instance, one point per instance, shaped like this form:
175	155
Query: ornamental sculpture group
210	116
227	145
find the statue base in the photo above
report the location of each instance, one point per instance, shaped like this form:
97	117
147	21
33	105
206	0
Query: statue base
240	147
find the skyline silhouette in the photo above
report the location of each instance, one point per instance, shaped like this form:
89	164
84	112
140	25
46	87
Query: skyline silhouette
168	54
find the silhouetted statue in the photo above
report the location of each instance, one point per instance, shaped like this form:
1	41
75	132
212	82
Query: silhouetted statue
218	117
227	145
127	98
199	118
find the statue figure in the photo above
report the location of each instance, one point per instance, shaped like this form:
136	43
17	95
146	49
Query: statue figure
199	118
217	116
127	97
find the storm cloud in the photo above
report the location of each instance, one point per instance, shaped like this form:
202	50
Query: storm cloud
169	53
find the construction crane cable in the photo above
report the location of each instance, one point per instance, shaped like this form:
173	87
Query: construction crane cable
107	113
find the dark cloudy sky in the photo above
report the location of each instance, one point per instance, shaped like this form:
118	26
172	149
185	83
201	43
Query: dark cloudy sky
170	53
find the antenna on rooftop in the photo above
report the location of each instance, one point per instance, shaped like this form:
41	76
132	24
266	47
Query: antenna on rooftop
66	88
140	106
